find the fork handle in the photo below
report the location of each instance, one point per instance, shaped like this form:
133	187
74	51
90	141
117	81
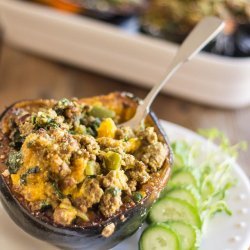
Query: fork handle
200	36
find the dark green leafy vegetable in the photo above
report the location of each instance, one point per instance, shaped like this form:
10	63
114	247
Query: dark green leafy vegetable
72	132
33	170
14	161
45	206
92	126
51	124
46	123
91	131
17	140
64	103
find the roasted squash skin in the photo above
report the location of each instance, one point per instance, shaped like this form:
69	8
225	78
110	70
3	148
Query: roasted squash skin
126	221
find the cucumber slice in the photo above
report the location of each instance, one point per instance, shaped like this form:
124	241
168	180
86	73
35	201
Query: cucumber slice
183	177
172	209
159	237
187	234
188	194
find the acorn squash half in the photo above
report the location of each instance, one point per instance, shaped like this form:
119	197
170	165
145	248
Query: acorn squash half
89	235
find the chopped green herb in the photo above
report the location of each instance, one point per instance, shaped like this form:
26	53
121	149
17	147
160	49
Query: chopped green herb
33	119
126	139
72	132
45	120
58	192
91	131
51	123
14	161
62	105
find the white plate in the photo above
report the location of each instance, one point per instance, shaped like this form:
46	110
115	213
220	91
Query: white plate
137	58
224	232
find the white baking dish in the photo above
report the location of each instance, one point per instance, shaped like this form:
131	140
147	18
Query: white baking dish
136	58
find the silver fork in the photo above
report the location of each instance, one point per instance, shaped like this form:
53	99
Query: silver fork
200	36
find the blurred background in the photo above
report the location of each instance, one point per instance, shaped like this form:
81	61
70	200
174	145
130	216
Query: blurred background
66	48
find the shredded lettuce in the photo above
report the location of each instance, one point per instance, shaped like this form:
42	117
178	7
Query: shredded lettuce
212	168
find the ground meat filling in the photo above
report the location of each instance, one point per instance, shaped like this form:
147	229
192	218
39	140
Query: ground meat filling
73	160
111	202
154	155
90	193
139	173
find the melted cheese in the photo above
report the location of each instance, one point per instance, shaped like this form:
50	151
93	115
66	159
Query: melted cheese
78	169
35	192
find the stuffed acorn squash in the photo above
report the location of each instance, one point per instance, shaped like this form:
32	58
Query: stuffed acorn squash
71	176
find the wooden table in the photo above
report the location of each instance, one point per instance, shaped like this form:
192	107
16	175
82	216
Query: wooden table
23	75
